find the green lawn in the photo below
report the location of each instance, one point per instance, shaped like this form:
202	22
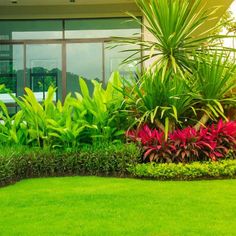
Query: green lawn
111	206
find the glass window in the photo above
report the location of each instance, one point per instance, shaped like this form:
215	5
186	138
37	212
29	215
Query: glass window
34	29
44	66
90	60
101	28
84	60
114	58
11	71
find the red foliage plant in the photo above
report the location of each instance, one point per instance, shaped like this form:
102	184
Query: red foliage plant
186	145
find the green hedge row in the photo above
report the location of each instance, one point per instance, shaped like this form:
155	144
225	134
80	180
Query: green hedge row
196	170
18	163
108	160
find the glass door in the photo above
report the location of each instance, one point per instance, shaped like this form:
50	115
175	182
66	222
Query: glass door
44	69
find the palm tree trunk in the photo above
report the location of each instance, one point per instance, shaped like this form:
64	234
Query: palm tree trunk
202	121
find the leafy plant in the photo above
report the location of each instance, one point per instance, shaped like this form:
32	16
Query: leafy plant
191	171
157	100
212	84
186	145
35	116
155	147
82	119
103	108
169	101
175	27
12	128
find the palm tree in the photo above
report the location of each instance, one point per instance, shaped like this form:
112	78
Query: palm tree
175	26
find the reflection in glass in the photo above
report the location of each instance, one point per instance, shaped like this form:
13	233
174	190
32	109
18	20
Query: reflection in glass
26	29
44	69
101	28
11	72
114	57
83	60
44	61
40	83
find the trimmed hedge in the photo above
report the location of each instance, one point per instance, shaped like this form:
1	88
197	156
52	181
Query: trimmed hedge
18	163
196	170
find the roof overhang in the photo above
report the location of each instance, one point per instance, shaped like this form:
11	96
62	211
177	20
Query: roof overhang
60	2
46	9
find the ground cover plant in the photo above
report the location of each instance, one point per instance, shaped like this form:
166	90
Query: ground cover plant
112	206
193	171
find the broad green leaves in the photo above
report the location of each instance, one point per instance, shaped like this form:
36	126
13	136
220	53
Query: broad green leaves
85	118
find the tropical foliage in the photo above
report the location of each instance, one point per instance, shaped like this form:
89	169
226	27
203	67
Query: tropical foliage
187	145
192	76
161	101
172	101
175	26
212	86
178	108
82	119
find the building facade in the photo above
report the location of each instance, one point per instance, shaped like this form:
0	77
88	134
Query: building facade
44	42
57	42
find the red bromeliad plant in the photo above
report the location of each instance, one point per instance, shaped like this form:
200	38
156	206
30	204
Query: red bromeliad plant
186	145
153	142
225	136
189	143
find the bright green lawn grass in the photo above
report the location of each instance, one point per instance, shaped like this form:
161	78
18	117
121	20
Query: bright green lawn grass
110	206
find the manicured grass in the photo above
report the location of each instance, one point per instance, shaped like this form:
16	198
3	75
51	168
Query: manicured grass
110	206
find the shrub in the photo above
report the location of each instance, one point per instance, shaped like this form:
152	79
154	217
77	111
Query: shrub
104	159
157	99
187	145
195	170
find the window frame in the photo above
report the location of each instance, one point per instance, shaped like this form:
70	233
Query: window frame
63	42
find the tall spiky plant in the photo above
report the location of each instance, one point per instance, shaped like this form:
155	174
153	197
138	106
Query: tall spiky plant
212	84
174	25
162	102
